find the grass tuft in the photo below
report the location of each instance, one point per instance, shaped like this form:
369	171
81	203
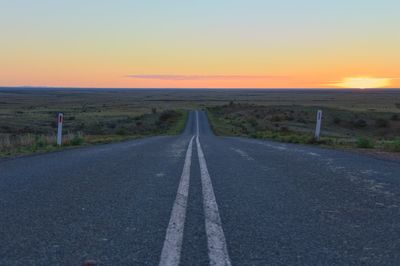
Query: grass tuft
392	146
365	143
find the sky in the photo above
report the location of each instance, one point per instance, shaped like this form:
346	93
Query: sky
200	44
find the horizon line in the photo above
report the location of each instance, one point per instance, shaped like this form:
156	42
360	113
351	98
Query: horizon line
191	88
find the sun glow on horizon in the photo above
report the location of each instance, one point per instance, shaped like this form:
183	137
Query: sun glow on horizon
145	44
363	83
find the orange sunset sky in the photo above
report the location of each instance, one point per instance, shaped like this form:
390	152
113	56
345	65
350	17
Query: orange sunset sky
200	44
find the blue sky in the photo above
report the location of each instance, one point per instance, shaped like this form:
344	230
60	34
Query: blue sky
333	39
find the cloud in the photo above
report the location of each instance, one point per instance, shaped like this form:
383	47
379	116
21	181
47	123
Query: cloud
205	77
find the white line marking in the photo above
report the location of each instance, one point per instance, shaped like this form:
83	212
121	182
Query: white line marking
244	154
197	123
217	249
171	252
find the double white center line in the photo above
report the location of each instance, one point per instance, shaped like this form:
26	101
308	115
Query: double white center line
217	249
171	252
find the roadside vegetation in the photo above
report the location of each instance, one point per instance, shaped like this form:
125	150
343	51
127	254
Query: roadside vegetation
367	119
296	124
168	122
28	123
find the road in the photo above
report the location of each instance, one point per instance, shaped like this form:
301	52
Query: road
198	199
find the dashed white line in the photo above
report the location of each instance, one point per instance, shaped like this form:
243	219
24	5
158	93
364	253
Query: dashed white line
217	248
171	252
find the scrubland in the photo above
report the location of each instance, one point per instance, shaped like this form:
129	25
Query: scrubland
366	119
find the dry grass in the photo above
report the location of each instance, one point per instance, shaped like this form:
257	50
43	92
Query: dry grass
27	116
10	144
103	131
296	124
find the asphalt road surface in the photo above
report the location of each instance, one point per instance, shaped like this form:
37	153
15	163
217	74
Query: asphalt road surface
198	199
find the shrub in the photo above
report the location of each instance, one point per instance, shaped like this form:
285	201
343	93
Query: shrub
77	140
360	123
381	123
112	125
276	118
302	120
94	129
284	129
40	142
166	115
337	120
81	126
365	143
395	117
121	131
253	122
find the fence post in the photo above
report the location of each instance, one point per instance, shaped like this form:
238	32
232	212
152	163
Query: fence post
60	121
318	126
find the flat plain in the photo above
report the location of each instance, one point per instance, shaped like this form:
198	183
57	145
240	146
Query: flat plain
359	118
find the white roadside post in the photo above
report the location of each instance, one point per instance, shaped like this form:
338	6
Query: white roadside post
60	121
318	126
